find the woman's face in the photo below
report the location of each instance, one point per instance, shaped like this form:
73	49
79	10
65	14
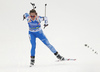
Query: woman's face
32	15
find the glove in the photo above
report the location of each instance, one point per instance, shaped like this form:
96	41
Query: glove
24	17
45	25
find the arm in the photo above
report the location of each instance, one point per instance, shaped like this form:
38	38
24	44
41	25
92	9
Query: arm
45	22
25	16
45	19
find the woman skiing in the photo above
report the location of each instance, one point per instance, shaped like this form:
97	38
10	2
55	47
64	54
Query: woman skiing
35	31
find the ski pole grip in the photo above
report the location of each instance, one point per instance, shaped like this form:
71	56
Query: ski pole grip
45	4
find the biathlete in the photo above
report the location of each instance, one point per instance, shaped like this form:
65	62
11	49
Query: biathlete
35	31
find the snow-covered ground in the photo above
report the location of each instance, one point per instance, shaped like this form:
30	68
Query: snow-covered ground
72	23
52	67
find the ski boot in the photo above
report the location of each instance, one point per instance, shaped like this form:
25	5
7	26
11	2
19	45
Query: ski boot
59	56
32	61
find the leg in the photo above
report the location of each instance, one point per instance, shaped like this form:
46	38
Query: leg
43	38
33	43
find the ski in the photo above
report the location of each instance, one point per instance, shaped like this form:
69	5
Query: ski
66	60
31	65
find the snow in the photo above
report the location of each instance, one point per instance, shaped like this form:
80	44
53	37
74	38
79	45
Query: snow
52	67
72	23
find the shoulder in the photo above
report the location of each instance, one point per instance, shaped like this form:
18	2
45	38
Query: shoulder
40	16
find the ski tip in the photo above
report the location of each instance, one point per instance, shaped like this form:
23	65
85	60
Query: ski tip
70	59
75	60
30	65
66	60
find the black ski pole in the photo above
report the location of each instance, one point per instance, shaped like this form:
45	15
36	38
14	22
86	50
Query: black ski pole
33	4
34	7
45	13
45	9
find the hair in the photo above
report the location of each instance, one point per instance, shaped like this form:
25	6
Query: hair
33	11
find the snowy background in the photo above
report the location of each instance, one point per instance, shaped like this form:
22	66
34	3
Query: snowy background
72	23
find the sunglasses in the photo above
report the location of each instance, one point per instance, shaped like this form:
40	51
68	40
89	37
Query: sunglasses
32	16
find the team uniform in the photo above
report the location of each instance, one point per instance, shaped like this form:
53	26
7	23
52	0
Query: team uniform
35	31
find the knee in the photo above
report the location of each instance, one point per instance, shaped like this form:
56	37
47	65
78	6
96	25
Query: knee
49	45
46	42
33	46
